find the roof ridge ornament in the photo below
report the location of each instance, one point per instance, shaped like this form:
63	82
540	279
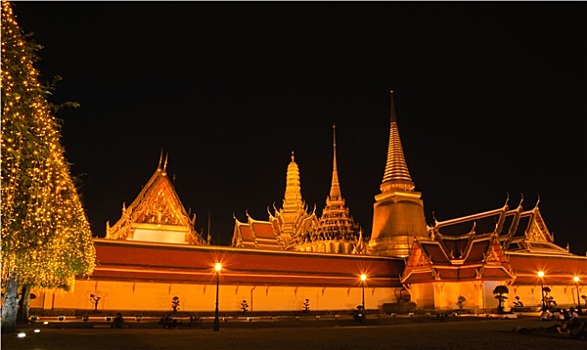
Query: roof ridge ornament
160	159
537	202
165	162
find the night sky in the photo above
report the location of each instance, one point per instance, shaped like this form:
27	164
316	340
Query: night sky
490	98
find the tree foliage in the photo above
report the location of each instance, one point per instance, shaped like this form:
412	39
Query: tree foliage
46	237
500	294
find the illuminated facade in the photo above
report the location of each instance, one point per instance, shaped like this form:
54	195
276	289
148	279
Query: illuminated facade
277	264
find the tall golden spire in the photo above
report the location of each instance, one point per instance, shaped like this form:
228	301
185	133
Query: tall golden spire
398	211
335	186
396	176
337	231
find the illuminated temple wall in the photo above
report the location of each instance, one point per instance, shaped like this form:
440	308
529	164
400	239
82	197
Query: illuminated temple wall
479	295
198	298
144	276
444	295
565	296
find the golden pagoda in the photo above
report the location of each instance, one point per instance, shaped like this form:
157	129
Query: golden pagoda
286	227
398	211
156	215
337	231
293	221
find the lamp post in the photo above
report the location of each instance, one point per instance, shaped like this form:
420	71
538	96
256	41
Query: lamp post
576	279
541	275
217	268
363	279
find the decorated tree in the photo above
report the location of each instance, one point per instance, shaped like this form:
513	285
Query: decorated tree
46	237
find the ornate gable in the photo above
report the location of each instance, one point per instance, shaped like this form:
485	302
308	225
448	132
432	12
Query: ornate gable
419	266
159	204
532	235
418	257
156	215
537	230
495	254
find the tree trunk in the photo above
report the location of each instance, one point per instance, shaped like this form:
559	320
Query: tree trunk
24	304
10	306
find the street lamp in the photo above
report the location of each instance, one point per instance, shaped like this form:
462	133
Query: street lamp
217	268
363	279
541	275
576	279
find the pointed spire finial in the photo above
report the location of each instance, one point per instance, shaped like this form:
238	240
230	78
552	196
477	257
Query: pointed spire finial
335	185
392	108
292	156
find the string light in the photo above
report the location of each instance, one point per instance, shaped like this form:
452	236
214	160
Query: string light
46	237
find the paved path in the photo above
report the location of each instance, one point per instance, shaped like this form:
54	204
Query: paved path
464	334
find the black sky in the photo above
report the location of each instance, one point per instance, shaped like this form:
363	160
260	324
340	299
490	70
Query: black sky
490	99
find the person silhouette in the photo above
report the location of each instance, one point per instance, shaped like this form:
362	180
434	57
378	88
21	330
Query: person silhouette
118	321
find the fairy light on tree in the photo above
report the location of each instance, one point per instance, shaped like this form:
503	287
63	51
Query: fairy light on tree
46	237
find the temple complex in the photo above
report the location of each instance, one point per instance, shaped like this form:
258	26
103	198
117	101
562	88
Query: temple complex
153	253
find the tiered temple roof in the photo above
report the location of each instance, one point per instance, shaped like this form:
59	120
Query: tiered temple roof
497	244
255	234
517	229
156	215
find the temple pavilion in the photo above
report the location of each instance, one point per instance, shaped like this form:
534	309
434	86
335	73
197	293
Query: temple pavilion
153	253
